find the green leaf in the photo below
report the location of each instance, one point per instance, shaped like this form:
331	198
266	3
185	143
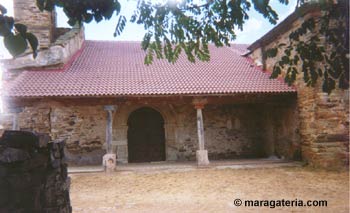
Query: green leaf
49	5
21	28
108	13
281	45
34	43
287	51
40	4
296	59
98	17
270	53
72	21
120	26
285	60
276	72
149	57
328	84
15	44
87	17
146	41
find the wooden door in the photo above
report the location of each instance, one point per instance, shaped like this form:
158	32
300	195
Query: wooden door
146	141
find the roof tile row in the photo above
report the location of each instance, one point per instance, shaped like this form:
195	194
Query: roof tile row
117	69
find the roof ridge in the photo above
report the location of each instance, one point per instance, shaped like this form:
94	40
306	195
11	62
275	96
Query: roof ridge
112	41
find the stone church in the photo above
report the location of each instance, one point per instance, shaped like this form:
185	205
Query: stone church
100	98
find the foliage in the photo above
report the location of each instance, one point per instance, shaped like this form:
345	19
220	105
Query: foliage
187	26
320	46
172	26
190	25
16	37
83	10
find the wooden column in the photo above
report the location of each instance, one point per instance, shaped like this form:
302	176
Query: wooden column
109	159
201	154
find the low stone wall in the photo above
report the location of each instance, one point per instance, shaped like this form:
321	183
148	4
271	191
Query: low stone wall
33	175
81	126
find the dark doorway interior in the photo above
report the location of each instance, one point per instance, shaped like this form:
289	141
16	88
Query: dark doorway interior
146	141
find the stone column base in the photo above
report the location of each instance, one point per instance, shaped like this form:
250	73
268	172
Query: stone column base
202	157
109	162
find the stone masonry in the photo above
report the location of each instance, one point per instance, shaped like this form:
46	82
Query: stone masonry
324	119
243	129
42	24
33	174
56	45
231	130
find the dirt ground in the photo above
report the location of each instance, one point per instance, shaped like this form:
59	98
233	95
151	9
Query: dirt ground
208	190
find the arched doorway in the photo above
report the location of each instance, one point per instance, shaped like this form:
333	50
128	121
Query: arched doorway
146	140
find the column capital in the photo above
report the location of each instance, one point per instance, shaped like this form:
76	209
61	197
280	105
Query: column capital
199	103
110	107
16	110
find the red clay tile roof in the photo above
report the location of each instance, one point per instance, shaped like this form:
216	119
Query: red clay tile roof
117	69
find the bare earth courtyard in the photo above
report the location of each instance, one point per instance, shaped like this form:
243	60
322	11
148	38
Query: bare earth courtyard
208	190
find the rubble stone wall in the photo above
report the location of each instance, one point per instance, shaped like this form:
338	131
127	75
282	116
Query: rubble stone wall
231	130
324	119
33	174
42	24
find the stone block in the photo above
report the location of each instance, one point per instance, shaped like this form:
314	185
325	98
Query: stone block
120	143
27	184
171	153
202	157
19	140
122	153
109	162
10	155
322	138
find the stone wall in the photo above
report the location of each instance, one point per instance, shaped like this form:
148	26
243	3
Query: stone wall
324	119
56	56
33	175
281	130
57	46
234	131
83	128
42	24
231	130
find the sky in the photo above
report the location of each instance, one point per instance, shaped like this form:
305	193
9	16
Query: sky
253	29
